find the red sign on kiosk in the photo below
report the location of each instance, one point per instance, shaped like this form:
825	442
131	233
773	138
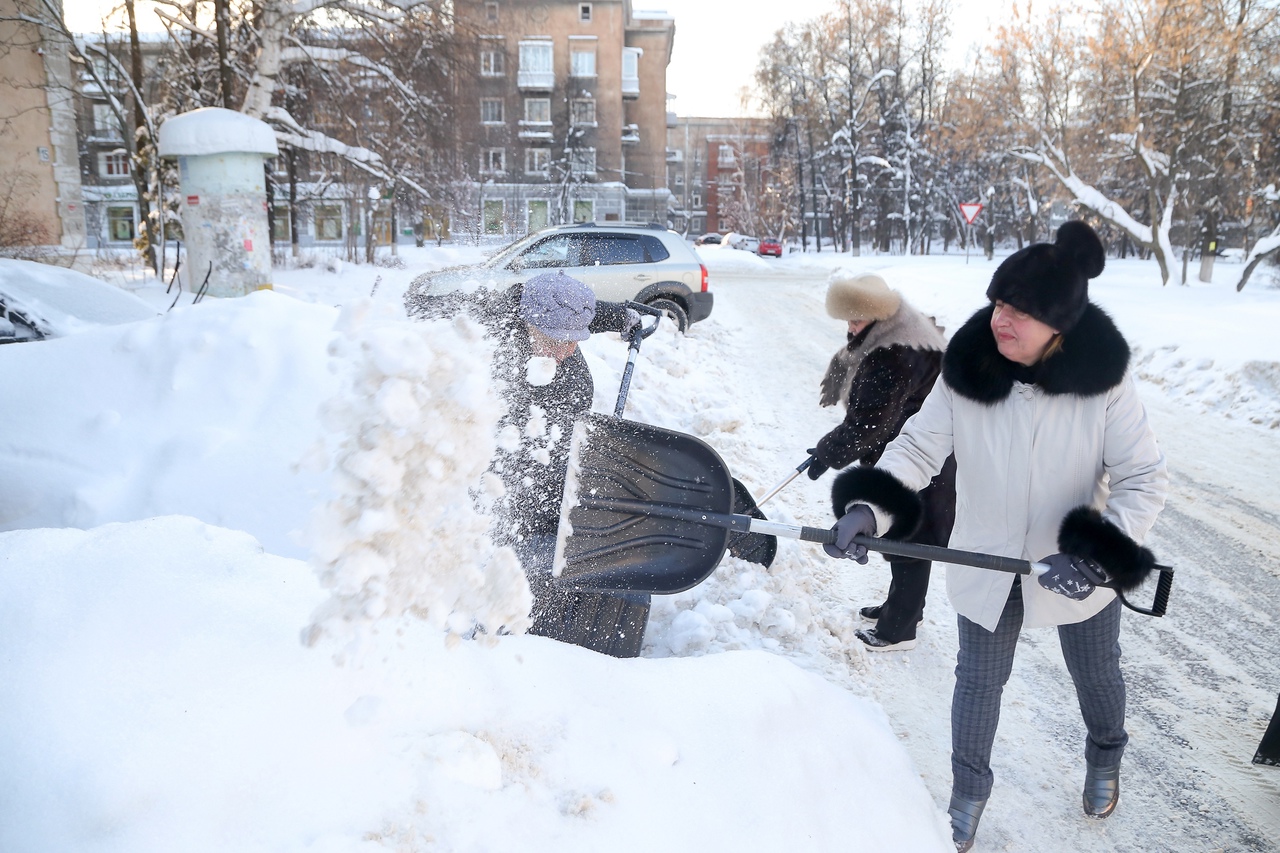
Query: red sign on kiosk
970	212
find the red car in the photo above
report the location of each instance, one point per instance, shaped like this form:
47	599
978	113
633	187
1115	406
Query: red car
769	246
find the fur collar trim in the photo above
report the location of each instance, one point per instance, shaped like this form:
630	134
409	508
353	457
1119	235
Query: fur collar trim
906	328
1092	361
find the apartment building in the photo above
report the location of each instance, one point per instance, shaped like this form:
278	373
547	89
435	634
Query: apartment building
720	173
565	116
112	213
40	195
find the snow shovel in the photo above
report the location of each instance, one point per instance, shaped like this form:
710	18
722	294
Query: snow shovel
755	547
648	509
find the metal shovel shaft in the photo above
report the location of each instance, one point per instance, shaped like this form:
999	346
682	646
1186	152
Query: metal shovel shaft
803	466
821	535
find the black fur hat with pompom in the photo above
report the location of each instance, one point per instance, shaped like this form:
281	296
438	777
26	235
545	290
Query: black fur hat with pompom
1050	281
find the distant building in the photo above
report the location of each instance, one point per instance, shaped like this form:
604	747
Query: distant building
565	116
112	213
40	194
720	171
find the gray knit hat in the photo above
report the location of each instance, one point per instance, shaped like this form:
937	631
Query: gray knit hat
860	297
558	306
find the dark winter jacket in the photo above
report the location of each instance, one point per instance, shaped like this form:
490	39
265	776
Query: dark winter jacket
533	436
882	375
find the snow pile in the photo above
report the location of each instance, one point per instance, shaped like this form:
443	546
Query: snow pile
723	259
415	419
158	699
64	301
201	412
213	130
1250	392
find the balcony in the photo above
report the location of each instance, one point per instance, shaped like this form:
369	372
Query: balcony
536	81
631	134
535	130
630	88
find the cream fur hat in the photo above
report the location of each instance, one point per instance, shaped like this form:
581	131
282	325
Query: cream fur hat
860	297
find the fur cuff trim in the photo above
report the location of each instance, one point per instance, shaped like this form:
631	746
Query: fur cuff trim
874	486
1085	533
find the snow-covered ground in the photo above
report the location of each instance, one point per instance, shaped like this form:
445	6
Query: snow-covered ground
244	548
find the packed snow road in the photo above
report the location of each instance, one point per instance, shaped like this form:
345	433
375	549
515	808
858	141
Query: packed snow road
1202	680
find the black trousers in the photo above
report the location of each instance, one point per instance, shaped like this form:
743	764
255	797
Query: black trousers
611	623
909	584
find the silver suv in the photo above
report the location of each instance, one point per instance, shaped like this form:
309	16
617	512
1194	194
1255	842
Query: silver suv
641	263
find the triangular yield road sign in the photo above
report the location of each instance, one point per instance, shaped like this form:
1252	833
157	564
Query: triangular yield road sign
970	211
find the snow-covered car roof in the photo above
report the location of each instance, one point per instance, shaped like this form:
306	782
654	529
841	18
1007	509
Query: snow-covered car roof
57	301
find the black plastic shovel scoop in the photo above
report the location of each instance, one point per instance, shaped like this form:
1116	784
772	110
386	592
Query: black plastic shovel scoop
609	538
649	510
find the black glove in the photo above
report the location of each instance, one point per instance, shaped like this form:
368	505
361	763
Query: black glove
631	324
858	521
816	468
1074	577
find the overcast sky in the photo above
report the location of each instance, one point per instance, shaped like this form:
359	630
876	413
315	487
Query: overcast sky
717	44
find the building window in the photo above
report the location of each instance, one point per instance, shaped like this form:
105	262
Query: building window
328	219
493	161
538	215
583	111
631	72
535	57
537	110
105	122
491	110
113	164
120	224
492	63
584	62
583	161
584	210
697	200
280	222
493	215
491	12
584	13
537	161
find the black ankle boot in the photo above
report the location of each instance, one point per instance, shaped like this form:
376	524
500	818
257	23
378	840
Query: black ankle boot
1101	790
965	815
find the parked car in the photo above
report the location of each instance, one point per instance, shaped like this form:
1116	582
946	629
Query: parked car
642	263
770	246
707	240
40	301
742	242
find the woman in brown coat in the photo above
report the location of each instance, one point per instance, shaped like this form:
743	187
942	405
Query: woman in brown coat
881	376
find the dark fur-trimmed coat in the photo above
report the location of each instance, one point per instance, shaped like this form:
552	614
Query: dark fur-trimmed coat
1056	459
533	447
881	377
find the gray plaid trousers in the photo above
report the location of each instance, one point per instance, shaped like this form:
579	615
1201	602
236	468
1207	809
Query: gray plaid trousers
1091	650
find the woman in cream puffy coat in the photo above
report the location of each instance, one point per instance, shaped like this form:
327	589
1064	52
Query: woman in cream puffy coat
1056	462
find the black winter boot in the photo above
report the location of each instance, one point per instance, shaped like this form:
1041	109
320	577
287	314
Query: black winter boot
1101	790
965	815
